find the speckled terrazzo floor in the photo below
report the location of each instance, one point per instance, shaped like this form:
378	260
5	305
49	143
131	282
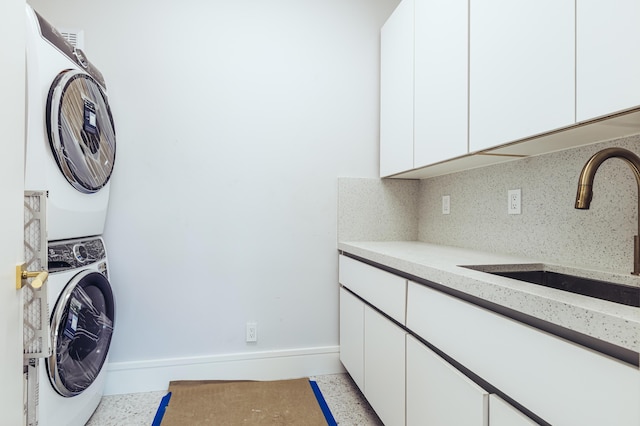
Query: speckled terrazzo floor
348	406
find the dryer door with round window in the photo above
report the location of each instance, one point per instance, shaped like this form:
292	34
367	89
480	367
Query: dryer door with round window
81	131
81	329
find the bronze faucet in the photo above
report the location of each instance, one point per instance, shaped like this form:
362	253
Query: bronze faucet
585	187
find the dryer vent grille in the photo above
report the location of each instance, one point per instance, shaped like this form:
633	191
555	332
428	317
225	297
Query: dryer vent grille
74	37
36	337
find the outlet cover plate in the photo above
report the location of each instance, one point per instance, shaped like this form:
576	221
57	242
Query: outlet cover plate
252	331
514	197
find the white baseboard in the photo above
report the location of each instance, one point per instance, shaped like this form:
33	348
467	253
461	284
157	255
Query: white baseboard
155	375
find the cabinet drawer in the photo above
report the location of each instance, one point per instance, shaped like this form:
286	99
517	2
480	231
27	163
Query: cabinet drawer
382	289
560	381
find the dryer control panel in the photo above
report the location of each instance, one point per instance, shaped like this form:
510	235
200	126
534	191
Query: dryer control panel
51	34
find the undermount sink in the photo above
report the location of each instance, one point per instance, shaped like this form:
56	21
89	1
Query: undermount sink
613	292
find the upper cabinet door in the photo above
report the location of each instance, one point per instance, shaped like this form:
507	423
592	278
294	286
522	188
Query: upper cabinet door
441	80
396	91
608	63
522	69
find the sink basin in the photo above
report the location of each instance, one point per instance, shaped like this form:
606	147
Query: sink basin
613	292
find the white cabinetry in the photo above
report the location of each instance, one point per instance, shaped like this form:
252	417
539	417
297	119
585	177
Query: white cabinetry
382	335
608	65
383	290
558	380
522	71
372	351
503	414
384	367
372	346
467	84
441	80
438	394
403	380
352	336
396	91
424	79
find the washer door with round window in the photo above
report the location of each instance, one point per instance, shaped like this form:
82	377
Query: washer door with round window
81	328
81	131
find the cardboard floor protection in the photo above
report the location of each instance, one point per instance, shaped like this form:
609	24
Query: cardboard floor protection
215	402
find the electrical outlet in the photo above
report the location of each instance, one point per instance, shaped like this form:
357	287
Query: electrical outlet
446	204
252	332
514	197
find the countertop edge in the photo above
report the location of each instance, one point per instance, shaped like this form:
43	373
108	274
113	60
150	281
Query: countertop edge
609	322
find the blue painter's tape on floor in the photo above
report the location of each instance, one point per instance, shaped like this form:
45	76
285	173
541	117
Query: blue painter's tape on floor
323	404
161	409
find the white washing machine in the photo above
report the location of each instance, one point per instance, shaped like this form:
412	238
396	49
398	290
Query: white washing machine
82	306
70	144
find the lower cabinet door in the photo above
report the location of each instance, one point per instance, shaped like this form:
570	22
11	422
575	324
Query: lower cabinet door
352	336
440	395
384	367
560	381
502	413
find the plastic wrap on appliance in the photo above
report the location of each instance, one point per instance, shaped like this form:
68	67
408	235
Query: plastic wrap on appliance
87	335
81	131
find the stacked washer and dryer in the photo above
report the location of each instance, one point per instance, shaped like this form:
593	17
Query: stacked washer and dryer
70	153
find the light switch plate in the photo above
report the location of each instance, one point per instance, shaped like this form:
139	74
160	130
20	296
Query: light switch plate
446	204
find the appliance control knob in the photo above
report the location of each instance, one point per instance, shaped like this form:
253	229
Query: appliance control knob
81	58
80	252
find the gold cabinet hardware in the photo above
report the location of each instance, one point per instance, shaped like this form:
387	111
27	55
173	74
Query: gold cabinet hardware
22	274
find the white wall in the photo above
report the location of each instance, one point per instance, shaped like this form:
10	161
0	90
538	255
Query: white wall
234	119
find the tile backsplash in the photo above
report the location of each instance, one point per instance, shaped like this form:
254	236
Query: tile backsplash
548	229
377	209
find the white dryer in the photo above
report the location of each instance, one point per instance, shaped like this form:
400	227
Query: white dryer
82	306
70	144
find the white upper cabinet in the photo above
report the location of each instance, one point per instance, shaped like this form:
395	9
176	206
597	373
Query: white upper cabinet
522	69
608	63
441	80
466	84
424	80
396	91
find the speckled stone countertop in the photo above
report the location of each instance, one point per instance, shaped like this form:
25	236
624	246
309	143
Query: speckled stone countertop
607	321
